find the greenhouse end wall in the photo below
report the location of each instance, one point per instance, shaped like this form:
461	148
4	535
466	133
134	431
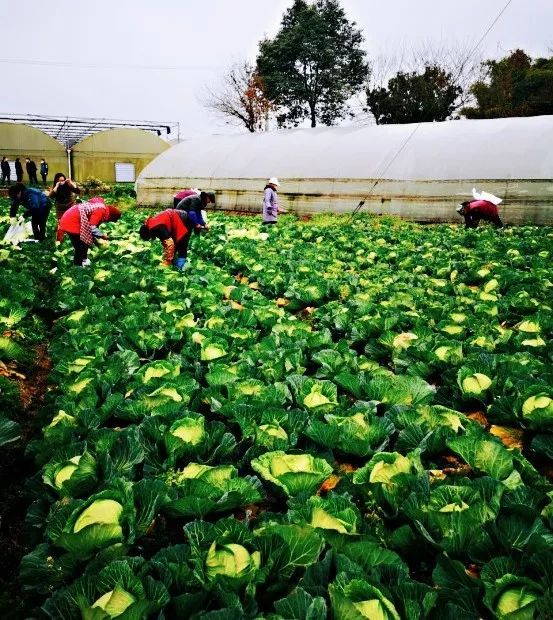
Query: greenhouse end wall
96	155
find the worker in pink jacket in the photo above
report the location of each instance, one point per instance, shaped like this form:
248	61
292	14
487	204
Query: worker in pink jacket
182	194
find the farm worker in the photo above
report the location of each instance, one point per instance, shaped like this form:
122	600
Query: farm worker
172	229
43	170
37	207
270	202
6	171
198	204
31	171
483	207
81	222
63	193
475	210
184	193
195	206
18	170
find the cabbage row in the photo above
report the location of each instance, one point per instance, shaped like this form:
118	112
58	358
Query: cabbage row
348	420
22	286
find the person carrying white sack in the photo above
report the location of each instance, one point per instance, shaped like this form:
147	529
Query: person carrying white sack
483	207
271	209
19	231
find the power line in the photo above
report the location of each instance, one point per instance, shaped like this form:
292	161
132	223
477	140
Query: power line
381	176
75	65
490	28
481	39
410	136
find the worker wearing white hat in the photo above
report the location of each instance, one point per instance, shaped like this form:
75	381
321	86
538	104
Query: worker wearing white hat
483	207
270	201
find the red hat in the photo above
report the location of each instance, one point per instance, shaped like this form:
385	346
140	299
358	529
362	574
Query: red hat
97	199
113	213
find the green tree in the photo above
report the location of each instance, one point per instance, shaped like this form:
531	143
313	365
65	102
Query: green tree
314	65
514	86
415	97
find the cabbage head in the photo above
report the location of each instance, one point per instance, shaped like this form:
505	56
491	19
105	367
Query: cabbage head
115	602
292	473
231	560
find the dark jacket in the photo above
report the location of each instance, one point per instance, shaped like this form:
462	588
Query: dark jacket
44	169
193	207
18	167
6	167
31	167
33	200
191	203
64	196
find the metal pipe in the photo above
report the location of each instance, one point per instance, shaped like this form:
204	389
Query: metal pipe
69	163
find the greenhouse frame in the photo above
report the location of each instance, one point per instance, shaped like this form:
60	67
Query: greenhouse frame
82	148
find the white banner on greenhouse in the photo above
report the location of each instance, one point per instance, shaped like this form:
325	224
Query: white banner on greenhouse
124	173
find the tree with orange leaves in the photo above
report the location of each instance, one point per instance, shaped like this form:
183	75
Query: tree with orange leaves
241	98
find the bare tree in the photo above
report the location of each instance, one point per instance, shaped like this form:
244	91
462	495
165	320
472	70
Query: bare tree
240	99
464	63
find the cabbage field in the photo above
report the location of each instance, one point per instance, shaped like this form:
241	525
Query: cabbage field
327	419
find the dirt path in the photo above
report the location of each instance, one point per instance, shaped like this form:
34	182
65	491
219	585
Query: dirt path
15	470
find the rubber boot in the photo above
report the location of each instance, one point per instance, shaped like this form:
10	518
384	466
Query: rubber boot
168	252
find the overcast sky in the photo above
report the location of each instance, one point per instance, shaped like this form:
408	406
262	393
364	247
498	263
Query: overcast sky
140	59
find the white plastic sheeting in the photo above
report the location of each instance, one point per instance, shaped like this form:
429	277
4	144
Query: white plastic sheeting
330	168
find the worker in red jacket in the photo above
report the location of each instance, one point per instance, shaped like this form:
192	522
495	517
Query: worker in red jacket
172	228
475	210
81	222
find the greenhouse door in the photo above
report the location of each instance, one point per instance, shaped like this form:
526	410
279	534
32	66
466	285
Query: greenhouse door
124	173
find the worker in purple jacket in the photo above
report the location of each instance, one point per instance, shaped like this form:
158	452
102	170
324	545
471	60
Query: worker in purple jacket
270	202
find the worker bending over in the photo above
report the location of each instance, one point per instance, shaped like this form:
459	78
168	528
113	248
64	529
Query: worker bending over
475	210
184	193
81	222
37	207
173	229
196	206
483	207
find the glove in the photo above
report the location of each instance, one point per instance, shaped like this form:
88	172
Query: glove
168	252
180	263
13	221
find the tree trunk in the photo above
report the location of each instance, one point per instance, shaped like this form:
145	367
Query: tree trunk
313	116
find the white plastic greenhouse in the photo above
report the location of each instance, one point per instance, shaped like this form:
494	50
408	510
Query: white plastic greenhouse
424	171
